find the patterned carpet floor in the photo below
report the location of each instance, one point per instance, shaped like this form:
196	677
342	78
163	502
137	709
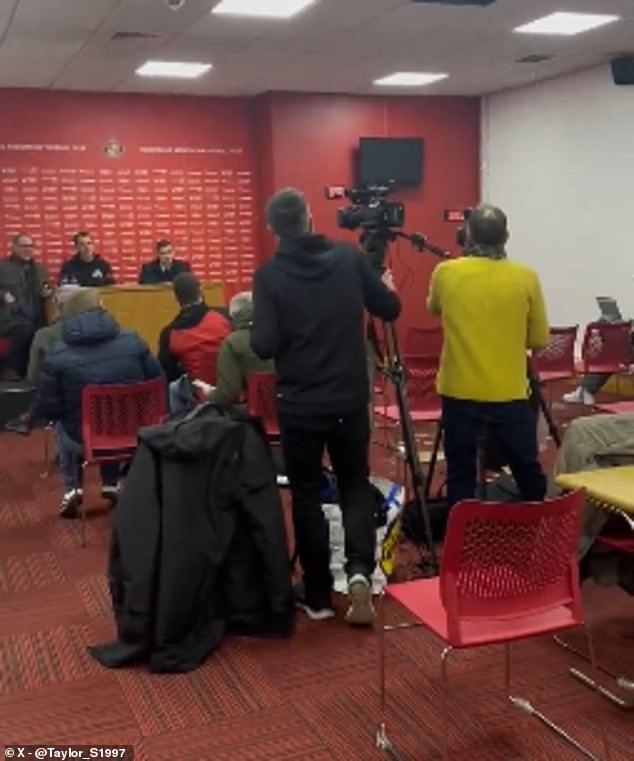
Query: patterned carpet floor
313	698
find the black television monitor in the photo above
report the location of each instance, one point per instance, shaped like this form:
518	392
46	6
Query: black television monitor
390	159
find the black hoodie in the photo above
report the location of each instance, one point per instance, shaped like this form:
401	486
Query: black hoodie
309	317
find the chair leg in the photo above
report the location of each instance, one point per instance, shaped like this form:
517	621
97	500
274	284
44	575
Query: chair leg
82	512
525	705
444	660
47	459
383	741
622	681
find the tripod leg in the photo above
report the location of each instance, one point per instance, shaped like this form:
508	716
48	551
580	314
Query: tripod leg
412	460
433	460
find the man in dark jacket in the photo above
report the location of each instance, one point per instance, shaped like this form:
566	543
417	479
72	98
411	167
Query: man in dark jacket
310	302
164	268
93	350
189	345
24	287
86	268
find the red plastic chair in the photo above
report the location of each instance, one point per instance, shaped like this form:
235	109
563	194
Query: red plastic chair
616	408
423	342
606	348
111	417
425	405
5	348
557	360
508	572
262	402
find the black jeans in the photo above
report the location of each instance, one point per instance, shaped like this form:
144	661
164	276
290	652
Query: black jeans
20	337
346	438
514	428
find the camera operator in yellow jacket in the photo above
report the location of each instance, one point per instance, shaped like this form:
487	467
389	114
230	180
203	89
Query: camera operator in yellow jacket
493	313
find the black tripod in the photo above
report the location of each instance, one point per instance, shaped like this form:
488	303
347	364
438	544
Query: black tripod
375	244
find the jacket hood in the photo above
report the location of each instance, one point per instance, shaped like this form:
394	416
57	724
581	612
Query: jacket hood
190	316
193	436
91	327
310	257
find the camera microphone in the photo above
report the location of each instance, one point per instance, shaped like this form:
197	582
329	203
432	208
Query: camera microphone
422	244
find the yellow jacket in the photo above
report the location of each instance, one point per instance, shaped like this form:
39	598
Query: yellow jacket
492	312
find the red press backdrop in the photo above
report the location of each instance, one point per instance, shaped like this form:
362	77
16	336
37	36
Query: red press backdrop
131	169
134	168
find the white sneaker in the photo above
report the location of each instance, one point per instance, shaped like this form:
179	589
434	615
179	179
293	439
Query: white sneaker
579	396
361	610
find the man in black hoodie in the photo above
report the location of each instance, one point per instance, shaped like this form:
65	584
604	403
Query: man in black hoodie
310	303
86	267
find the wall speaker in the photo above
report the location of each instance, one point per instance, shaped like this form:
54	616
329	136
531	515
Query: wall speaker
623	70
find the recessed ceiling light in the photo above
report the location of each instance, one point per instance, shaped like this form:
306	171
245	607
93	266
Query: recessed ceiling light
409	79
567	24
281	9
173	69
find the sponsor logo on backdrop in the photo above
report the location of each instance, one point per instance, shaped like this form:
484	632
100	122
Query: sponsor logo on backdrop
113	149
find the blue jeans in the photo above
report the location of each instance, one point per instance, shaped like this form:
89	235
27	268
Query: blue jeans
71	455
181	396
512	425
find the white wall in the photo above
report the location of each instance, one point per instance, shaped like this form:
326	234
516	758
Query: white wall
558	156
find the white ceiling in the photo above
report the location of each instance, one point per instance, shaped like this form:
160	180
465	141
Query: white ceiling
334	46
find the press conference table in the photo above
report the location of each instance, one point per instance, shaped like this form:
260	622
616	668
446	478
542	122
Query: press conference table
611	489
148	308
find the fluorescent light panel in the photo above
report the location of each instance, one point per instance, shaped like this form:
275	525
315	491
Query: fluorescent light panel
279	9
566	24
173	69
409	79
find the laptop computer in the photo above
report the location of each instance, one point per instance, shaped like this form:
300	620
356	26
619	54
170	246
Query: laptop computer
610	311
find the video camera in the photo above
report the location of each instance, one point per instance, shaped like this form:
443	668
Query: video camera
461	232
371	210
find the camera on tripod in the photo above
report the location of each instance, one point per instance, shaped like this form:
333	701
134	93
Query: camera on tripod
371	210
461	232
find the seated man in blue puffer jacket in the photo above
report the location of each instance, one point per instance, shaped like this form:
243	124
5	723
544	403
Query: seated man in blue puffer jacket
93	349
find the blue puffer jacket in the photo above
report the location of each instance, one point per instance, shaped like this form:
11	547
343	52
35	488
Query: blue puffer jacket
93	349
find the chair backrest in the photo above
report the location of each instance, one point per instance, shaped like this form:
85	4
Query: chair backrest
420	374
606	346
503	561
559	355
262	401
423	342
111	416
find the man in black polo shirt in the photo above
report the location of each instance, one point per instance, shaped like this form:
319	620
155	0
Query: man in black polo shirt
164	268
86	268
310	301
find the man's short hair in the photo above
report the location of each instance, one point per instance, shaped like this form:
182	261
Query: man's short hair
161	244
241	305
187	289
18	236
80	234
287	213
488	226
82	300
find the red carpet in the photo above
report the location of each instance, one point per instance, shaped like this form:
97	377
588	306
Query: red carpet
314	698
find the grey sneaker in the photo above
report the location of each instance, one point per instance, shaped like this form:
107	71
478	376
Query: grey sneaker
70	502
360	610
110	494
